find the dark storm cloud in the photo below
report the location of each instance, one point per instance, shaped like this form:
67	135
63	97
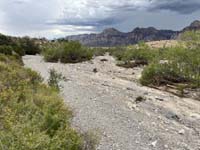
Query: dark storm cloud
116	11
52	18
88	22
180	6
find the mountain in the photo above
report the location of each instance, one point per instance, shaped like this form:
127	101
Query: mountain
149	34
113	37
109	37
193	26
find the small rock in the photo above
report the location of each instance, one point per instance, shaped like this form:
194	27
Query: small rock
95	70
166	146
132	106
154	143
139	99
196	116
130	89
173	116
182	132
160	99
103	60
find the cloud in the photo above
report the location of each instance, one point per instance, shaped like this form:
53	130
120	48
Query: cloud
20	1
63	17
180	6
95	22
102	13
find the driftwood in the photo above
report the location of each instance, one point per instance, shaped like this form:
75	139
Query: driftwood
174	89
132	64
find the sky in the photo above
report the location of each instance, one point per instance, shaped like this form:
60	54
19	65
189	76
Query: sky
59	18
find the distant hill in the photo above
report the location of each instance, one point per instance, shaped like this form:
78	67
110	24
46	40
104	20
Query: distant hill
113	37
193	26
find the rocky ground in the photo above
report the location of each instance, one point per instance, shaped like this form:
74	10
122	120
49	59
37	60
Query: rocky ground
104	98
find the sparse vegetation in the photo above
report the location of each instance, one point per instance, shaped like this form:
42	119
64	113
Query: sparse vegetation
91	140
178	64
32	115
21	46
182	64
67	52
54	79
133	56
29	46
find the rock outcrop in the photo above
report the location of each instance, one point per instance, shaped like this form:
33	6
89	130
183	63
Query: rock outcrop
193	26
113	37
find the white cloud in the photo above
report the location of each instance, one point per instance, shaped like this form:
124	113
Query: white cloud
52	18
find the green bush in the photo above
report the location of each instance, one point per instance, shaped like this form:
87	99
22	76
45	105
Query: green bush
20	46
67	52
7	50
73	52
99	51
32	115
5	40
141	52
133	56
182	64
161	74
117	52
176	70
52	52
191	39
29	46
54	79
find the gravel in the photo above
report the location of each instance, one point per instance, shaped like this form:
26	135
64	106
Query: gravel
104	102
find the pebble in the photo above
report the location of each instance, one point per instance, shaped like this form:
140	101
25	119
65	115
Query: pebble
166	146
154	143
160	99
182	132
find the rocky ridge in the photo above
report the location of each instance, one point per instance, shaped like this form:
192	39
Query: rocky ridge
112	37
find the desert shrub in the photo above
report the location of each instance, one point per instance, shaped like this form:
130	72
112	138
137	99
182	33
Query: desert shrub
29	46
51	55
11	59
191	39
67	52
133	56
161	74
117	52
5	40
52	52
20	46
32	115
7	50
141	52
73	52
97	51
91	140
182	66
54	79
181	63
